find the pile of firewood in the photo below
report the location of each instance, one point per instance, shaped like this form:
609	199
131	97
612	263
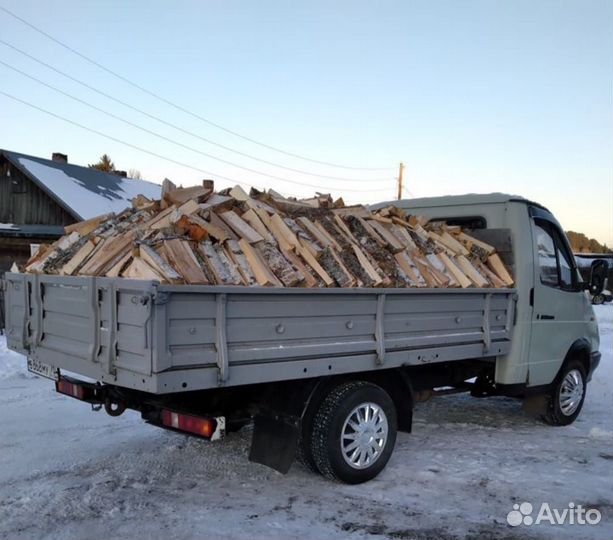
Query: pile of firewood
197	236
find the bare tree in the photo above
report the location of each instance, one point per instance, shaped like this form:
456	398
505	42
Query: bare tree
135	174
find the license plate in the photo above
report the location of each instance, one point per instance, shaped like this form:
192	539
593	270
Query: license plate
44	370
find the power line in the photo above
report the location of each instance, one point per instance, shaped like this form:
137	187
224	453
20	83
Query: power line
163	137
408	192
179	128
179	107
120	141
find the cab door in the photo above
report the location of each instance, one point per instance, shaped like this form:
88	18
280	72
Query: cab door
560	304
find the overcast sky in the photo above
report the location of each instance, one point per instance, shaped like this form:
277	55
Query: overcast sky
474	96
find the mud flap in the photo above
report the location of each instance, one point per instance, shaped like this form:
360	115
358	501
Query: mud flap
275	441
536	405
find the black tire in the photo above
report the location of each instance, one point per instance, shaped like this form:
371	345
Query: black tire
598	299
556	415
329	421
304	456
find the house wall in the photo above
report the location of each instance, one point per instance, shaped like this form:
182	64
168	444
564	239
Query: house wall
23	202
15	250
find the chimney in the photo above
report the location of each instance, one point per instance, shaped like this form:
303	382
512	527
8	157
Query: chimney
60	158
123	174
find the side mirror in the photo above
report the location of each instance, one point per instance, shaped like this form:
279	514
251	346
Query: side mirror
598	276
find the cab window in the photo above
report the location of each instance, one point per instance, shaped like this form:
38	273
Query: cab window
554	260
547	260
565	265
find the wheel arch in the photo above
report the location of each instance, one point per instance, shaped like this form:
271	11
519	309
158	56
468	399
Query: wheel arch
579	350
394	381
398	385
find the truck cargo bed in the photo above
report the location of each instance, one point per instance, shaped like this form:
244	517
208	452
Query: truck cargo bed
164	338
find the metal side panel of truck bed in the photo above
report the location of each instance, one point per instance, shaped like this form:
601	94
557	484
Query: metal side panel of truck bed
164	338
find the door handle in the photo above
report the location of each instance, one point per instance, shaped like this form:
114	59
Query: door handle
546	317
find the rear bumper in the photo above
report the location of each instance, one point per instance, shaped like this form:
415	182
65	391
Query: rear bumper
156	411
594	361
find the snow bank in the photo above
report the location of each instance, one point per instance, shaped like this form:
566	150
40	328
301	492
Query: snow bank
11	363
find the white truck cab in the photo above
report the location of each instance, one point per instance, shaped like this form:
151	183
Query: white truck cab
555	322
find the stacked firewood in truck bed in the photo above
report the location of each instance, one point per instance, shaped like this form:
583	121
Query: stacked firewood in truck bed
197	236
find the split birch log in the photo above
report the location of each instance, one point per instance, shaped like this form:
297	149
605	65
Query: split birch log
438	265
309	279
285	237
262	273
139	269
314	264
367	265
316	234
332	265
79	258
183	260
452	267
496	266
471	272
119	266
453	244
83	228
251	217
279	265
240	260
112	250
470	241
223	270
241	227
410	269
494	279
153	259
392	242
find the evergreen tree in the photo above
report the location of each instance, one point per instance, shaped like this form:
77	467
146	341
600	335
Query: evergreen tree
105	164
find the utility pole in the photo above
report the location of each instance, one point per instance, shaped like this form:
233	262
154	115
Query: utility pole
400	178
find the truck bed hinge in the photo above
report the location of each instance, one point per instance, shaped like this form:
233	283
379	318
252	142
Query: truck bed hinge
160	298
485	326
379	329
221	341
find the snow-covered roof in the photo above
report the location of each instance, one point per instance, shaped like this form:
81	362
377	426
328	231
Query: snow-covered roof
84	192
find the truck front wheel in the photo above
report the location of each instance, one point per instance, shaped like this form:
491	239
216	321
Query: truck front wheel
353	432
567	396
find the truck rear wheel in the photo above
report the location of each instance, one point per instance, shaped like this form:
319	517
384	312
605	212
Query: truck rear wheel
567	396
353	432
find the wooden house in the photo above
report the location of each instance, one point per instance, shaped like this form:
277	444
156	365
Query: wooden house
38	197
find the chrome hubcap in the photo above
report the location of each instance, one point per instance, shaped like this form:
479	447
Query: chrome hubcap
364	435
571	392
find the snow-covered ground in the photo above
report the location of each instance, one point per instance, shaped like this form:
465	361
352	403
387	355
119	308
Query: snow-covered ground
66	472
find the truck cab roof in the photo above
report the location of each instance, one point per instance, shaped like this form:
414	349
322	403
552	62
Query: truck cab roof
469	199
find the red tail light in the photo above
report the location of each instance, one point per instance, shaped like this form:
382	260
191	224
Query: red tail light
186	422
72	389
